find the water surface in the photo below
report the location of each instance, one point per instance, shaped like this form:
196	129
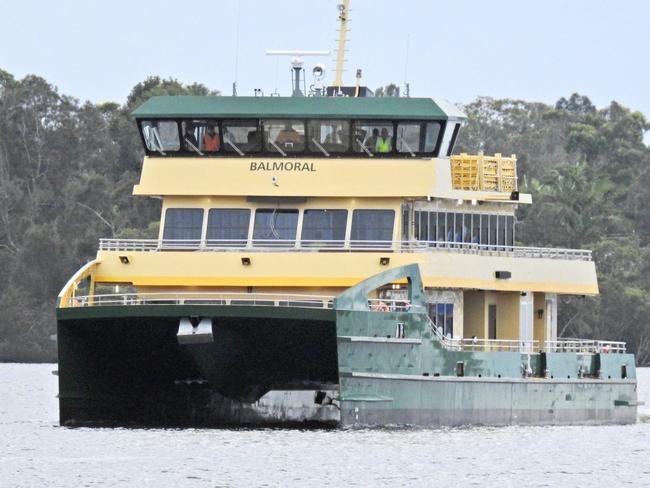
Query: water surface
36	452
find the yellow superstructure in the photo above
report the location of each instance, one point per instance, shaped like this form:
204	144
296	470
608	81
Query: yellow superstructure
454	215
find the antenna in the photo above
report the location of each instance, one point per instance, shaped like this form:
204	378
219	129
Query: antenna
296	65
406	66
340	52
234	84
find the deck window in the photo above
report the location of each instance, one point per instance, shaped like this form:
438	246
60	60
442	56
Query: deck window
228	226
510	231
329	136
442	315
241	137
372	225
474	228
160	135
324	225
373	137
183	224
284	136
275	227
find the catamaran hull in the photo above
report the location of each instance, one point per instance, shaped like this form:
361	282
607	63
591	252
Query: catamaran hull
441	401
271	367
262	366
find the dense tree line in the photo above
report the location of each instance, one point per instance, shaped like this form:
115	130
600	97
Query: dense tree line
67	170
589	173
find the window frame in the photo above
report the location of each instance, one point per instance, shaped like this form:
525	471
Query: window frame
259	124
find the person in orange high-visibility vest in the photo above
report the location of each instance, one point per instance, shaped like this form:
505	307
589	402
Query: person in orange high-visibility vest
211	142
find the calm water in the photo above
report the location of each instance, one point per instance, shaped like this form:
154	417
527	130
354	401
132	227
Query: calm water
35	452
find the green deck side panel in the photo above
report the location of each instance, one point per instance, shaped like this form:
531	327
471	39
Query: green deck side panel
392	108
388	380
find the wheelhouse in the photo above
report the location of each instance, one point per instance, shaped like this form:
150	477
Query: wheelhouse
286	127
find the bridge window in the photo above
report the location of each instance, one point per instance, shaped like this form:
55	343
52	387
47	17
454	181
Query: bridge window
284	136
408	137
431	136
228	226
242	137
275	225
201	136
160	135
324	225
372	225
183	224
329	136
452	142
373	137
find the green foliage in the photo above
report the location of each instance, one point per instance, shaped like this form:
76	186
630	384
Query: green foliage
390	90
67	171
66	175
589	173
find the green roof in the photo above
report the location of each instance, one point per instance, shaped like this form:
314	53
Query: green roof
285	107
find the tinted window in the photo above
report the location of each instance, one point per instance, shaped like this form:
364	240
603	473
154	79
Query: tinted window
373	137
241	136
228	226
510	229
284	136
275	225
452	142
433	227
160	135
431	134
332	136
408	137
372	225
183	223
493	230
476	228
201	136
324	225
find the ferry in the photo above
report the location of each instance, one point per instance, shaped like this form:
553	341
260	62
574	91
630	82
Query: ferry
329	261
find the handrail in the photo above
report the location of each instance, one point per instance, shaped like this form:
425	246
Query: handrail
203	298
294	245
580	346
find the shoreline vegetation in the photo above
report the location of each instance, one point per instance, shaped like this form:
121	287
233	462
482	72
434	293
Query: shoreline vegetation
67	170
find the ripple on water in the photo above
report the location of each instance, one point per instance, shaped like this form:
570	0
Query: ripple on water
35	452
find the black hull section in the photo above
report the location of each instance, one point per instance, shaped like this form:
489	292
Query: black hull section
119	369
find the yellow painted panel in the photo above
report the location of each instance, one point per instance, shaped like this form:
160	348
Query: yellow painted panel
474	313
343	269
508	315
334	177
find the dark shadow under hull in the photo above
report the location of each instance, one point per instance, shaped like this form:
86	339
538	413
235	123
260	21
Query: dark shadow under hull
263	367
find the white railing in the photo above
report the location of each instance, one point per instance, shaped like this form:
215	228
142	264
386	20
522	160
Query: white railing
269	245
206	298
580	346
585	346
386	305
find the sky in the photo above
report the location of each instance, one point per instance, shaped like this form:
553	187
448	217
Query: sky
524	49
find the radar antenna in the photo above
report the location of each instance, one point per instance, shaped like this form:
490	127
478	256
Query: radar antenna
340	52
296	66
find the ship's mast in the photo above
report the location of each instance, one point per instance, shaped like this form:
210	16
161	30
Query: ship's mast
340	52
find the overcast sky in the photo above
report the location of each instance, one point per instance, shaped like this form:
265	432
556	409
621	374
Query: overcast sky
534	50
